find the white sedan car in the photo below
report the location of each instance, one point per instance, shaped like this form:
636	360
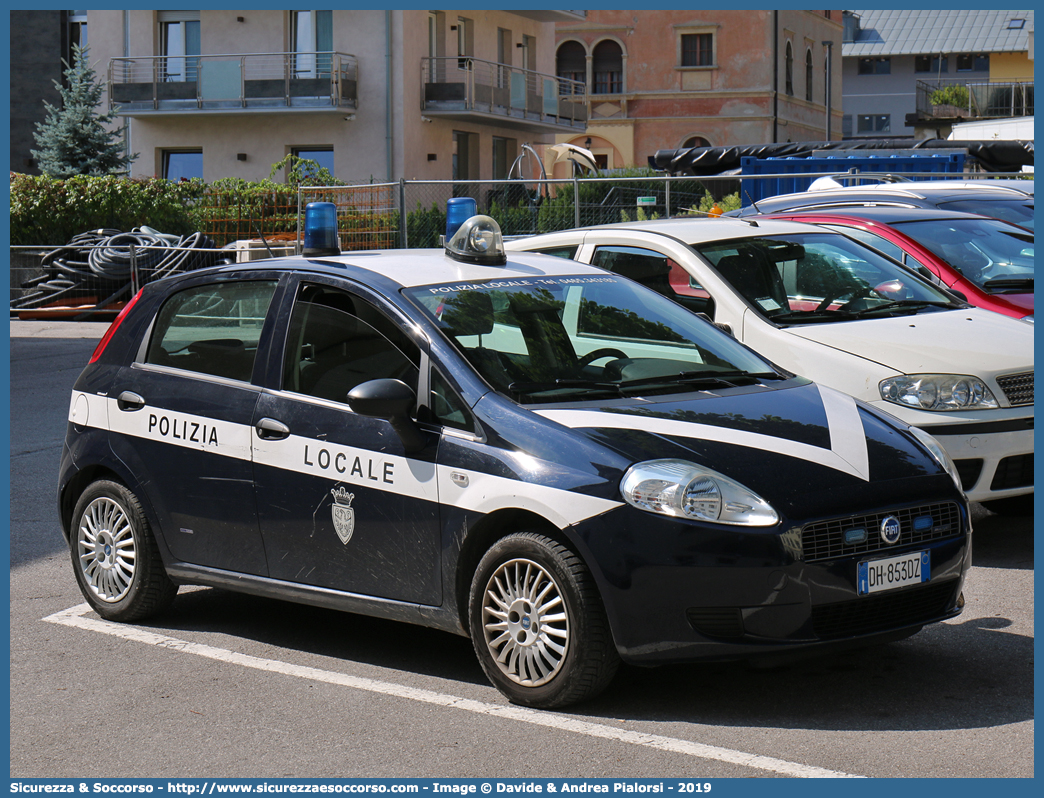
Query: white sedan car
828	308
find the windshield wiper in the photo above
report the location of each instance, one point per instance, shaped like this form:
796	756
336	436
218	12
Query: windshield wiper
814	316
901	304
709	378
551	385
689	378
1006	283
803	316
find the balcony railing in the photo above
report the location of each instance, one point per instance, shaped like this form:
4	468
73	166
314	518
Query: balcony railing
465	85
227	82
974	99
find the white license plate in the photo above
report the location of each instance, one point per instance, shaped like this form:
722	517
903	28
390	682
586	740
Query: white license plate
906	569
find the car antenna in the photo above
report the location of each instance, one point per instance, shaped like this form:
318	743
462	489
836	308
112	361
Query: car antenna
751	222
261	235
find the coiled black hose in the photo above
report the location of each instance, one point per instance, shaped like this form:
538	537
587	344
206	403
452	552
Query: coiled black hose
98	263
111	260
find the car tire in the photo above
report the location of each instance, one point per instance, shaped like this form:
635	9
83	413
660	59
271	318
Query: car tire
1011	505
538	624
115	556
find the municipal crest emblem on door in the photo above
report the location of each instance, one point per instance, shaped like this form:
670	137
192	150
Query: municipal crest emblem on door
343	514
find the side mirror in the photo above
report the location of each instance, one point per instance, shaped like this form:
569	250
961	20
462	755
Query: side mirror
391	400
892	289
725	327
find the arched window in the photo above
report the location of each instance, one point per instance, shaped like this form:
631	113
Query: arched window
571	61
696	141
808	75
790	71
607	67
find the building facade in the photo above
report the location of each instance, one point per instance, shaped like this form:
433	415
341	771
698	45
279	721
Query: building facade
373	95
669	79
914	74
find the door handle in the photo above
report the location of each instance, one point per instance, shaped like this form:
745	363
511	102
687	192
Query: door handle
268	429
128	400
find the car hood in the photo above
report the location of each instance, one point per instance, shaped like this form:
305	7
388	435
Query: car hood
792	445
969	341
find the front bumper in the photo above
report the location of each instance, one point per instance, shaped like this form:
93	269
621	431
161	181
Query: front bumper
993	465
993	450
678	591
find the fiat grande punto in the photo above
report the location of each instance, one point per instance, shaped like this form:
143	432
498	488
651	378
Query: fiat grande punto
551	459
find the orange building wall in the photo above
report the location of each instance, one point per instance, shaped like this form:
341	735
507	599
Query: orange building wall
731	103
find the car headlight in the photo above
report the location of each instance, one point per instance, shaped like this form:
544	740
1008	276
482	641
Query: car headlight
938	392
685	490
1028	318
939	453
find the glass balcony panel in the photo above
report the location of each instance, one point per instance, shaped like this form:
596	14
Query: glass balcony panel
233	81
974	99
464	88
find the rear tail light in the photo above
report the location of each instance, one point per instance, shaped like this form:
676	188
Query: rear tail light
112	329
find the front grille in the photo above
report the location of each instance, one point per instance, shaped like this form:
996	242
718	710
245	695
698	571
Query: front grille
869	614
724	622
825	540
968	471
1013	472
1018	388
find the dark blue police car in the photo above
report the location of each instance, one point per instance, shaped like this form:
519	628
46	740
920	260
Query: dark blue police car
558	462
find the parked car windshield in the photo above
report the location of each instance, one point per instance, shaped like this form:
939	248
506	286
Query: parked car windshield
553	339
811	278
1018	211
992	254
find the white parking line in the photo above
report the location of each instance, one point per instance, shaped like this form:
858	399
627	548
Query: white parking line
74	616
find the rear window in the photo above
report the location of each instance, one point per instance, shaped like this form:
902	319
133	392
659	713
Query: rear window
1016	211
212	329
568	252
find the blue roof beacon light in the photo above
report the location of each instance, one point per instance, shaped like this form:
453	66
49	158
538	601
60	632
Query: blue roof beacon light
478	240
320	234
458	211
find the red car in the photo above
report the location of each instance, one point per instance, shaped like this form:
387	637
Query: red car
988	261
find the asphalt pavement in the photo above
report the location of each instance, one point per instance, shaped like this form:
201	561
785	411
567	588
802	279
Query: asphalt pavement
232	686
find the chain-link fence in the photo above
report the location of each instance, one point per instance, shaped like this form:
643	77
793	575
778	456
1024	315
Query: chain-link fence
412	213
97	271
94	273
368	214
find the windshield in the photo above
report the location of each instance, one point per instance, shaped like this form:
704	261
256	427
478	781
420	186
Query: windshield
553	339
992	254
812	278
1019	211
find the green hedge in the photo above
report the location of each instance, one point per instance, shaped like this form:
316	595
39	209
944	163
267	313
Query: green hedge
235	208
47	211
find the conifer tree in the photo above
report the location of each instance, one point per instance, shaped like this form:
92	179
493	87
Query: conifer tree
74	139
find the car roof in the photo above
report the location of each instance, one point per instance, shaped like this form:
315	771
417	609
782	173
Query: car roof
886	214
1003	184
890	192
927	190
905	191
407	268
685	228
